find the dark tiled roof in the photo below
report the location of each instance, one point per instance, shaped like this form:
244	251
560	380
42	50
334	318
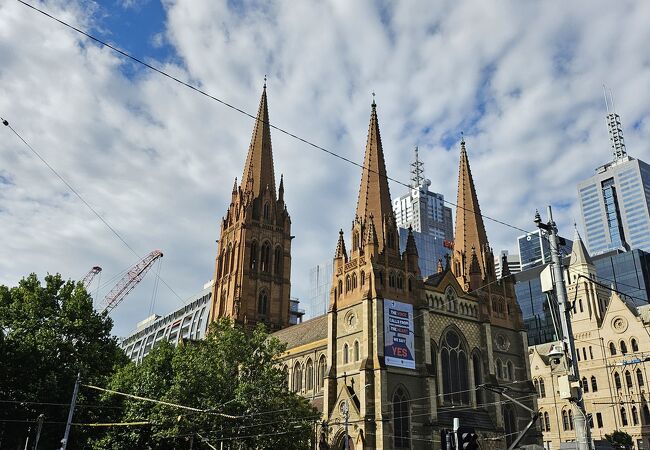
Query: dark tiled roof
309	331
435	279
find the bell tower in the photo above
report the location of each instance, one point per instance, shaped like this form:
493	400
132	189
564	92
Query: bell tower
370	278
253	264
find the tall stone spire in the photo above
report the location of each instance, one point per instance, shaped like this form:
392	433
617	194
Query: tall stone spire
374	196
470	230
579	254
258	170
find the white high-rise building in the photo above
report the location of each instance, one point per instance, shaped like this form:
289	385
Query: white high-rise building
430	219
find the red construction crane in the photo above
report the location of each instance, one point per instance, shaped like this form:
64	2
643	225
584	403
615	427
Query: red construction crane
129	281
89	276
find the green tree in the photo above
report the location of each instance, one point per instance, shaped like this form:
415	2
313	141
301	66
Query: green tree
620	439
49	333
233	374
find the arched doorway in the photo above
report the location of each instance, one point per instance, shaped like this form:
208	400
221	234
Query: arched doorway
339	443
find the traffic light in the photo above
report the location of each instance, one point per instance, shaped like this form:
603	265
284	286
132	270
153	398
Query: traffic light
467	438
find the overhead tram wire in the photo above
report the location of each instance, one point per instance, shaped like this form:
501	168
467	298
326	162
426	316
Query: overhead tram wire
246	113
83	200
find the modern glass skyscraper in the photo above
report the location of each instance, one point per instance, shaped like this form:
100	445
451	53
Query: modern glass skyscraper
534	248
425	212
615	201
320	281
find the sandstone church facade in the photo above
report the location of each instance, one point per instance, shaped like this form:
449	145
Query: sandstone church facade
400	353
612	338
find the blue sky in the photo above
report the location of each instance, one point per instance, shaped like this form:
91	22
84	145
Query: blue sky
522	80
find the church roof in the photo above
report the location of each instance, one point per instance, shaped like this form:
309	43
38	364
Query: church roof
311	330
470	230
258	170
374	196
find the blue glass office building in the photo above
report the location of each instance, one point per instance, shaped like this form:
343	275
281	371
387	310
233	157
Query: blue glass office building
627	272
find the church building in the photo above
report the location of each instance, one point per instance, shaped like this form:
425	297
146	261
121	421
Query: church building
397	356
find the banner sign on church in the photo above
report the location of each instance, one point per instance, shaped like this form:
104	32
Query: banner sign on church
399	337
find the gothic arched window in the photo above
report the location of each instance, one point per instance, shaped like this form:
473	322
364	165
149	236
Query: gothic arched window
547	421
253	258
455	376
357	355
623	347
628	379
401	419
478	379
585	384
617	380
623	416
277	261
634	345
340	287
266	210
612	349
354	281
226	261
355	240
571	419
565	420
391	279
297	377
322	367
452	301
348	283
639	377
220	266
542	388
400	281
594	384
262	303
309	375
509	424
363	278
635	416
265	257
511	370
346	353
499	369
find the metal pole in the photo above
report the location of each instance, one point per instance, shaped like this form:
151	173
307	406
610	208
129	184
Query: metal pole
29	430
73	402
456	427
39	422
346	414
583	434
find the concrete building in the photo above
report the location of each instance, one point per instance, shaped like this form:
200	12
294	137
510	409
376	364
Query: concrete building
430	220
401	354
613	349
189	322
513	262
534	248
615	202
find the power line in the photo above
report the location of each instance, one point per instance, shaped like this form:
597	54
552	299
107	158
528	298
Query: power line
242	111
83	200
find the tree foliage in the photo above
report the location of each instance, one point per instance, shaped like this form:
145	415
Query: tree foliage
620	439
48	334
232	374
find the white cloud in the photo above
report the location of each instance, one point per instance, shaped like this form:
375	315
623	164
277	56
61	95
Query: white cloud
157	160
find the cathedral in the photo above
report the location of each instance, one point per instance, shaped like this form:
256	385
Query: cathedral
398	356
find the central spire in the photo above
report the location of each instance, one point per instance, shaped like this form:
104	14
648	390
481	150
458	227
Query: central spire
470	230
258	170
374	196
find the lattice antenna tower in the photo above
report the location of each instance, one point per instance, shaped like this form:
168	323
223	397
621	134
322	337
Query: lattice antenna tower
614	126
417	170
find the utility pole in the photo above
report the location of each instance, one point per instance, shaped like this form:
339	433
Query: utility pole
583	434
73	403
346	415
39	427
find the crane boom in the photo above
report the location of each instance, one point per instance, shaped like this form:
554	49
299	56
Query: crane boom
90	276
129	281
